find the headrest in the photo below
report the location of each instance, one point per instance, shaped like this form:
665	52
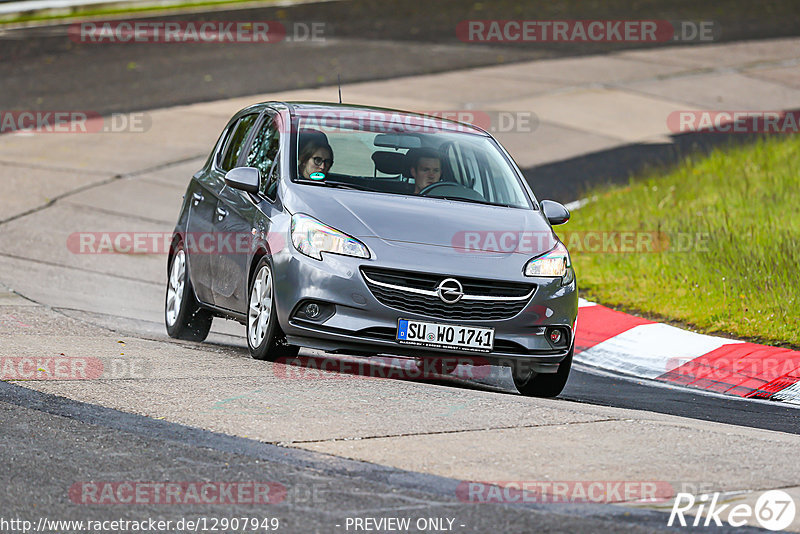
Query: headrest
307	134
393	163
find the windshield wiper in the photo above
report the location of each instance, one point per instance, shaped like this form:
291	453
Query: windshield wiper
351	186
342	185
476	201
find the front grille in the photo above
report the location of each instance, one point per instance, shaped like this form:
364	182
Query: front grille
377	332
501	300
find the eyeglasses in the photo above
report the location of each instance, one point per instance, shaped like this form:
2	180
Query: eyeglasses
318	161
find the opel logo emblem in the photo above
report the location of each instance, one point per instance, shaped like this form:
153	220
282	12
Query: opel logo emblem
450	290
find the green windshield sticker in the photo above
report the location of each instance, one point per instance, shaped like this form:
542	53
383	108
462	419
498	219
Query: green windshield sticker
317	176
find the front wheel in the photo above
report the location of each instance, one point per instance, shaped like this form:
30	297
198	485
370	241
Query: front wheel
533	384
264	336
184	317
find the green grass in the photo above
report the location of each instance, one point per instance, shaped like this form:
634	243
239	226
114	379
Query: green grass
743	279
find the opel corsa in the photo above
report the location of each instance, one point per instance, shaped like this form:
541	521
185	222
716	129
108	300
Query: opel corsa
370	231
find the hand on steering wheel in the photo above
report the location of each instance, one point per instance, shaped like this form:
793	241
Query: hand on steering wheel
433	186
452	191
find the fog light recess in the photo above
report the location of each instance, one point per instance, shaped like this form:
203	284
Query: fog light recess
558	336
311	310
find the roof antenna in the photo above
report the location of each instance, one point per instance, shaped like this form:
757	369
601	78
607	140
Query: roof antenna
339	77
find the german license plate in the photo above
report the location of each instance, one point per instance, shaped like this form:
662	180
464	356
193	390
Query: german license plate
445	336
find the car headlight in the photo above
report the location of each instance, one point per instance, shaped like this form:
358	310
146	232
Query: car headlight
555	263
312	238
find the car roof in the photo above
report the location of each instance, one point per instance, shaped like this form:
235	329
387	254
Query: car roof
376	114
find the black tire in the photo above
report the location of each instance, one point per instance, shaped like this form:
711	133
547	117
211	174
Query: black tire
544	384
184	318
269	343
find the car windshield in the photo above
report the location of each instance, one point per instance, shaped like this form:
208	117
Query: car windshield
405	158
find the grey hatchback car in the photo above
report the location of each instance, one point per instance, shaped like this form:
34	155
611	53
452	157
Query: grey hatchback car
370	231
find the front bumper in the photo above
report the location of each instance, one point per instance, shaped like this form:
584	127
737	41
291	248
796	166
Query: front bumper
362	324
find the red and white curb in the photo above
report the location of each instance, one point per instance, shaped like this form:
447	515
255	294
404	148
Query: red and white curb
631	345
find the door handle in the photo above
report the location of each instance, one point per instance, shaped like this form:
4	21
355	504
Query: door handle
221	213
197	198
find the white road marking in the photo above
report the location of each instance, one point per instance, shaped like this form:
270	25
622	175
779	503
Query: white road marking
650	350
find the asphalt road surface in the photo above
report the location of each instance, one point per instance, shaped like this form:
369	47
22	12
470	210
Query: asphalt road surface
73	445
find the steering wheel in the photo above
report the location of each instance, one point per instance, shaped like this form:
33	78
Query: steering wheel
434	186
448	189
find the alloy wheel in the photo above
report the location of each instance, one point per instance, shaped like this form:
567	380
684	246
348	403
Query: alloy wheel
260	309
177	278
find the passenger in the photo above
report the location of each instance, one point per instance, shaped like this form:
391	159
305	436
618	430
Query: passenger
316	156
425	166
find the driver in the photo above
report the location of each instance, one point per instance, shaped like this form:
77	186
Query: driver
315	156
425	165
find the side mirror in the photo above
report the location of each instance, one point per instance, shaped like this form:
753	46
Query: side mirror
555	212
244	178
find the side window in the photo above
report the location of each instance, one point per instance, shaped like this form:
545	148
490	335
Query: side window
264	157
236	140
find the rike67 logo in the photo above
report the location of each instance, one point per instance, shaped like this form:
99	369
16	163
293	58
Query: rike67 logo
774	510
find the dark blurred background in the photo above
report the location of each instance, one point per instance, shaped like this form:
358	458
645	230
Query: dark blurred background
41	68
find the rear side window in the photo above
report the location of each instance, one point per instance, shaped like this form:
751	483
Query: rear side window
236	140
264	157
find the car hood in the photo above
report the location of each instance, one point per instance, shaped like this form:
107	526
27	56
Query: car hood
429	221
